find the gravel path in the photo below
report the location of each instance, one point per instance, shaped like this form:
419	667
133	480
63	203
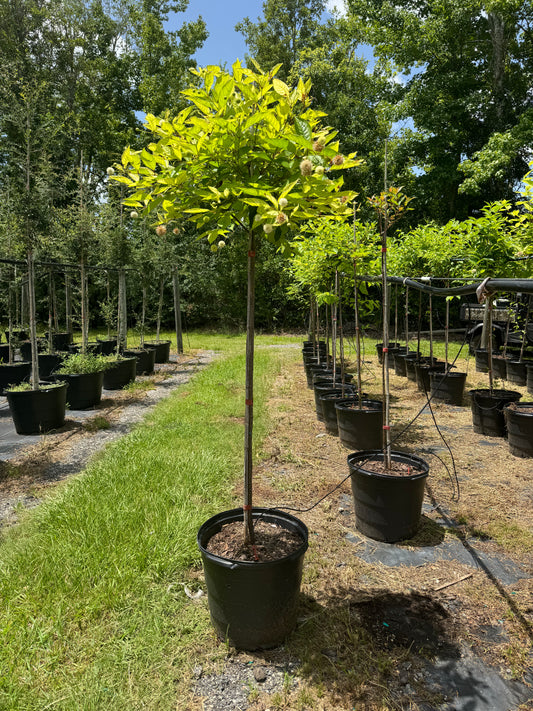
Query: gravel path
28	464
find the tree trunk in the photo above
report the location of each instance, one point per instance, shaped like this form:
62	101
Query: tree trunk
177	311
249	394
122	320
159	309
33	322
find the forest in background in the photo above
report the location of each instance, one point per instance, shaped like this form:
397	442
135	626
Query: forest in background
448	100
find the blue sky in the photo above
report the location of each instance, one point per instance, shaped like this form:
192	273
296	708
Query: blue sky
220	16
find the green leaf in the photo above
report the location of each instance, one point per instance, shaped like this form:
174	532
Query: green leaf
303	128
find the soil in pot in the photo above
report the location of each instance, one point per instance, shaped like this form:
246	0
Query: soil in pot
388	504
38	411
487	410
519	423
360	427
448	387
253	603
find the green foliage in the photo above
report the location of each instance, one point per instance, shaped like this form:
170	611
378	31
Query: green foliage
327	247
247	153
76	363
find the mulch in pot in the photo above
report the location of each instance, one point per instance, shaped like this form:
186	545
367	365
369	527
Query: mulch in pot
271	542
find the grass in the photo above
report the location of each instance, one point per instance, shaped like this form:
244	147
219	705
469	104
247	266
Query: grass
94	613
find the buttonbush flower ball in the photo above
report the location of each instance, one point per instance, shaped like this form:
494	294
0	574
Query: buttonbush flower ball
161	230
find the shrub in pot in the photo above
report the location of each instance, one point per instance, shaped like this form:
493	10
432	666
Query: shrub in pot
37	411
84	375
257	196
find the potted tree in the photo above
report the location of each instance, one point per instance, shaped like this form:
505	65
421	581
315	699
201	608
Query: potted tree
387	485
84	375
34	409
247	157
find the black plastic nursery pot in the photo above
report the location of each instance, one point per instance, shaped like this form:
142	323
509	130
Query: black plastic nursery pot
482	360
487	410
145	359
400	367
329	413
360	427
49	363
14	373
320	369
529	378
517	372
60	340
38	411
379	349
499	367
410	366
325	388
387	507
120	373
4	352
162	350
448	387
84	389
519	422
108	346
423	371
253	605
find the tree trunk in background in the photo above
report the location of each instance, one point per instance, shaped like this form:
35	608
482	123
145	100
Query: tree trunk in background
177	311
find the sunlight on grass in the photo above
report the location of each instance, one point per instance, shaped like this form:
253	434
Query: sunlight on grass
94	613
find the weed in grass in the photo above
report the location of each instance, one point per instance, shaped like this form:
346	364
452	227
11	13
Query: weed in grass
140	386
97	423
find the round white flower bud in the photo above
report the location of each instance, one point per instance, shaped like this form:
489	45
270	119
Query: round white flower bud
110	171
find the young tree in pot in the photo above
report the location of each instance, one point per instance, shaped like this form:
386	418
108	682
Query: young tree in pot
248	157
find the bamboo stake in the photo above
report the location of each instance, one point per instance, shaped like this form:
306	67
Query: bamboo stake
249	394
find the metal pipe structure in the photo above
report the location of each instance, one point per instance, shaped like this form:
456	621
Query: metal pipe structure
524	286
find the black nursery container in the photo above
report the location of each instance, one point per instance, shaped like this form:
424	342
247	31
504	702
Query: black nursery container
120	373
387	507
487	410
253	605
519	423
14	373
448	387
145	360
84	389
328	401
360	427
49	363
108	346
162	350
38	411
517	372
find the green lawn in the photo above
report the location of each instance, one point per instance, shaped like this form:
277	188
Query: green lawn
93	612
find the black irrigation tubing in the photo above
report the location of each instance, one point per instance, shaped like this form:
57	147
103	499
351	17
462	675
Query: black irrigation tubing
491	285
454	479
65	265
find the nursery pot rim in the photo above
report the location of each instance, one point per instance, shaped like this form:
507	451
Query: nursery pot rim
345	403
517	406
369	454
232	515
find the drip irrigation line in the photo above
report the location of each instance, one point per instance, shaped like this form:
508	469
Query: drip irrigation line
453	478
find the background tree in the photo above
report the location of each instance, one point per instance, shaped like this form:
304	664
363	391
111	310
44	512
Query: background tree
469	68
